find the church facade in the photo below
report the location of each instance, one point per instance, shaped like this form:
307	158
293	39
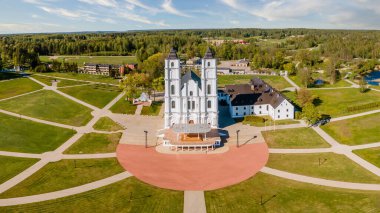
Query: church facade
189	98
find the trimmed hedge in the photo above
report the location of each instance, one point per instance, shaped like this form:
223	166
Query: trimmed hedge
254	119
363	107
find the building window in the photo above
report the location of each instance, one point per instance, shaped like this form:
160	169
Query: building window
259	107
245	108
193	105
236	108
236	114
209	104
287	110
278	116
209	89
208	64
244	114
191	93
252	107
188	105
278	111
267	107
172	64
287	116
173	104
172	90
260	112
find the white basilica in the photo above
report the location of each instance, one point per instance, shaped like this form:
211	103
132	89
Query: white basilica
190	99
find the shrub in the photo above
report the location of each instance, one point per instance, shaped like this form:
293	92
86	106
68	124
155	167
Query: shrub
254	119
363	107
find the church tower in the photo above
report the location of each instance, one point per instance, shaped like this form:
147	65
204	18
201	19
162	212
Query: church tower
172	89
209	94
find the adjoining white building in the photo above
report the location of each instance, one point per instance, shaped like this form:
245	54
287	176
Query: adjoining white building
189	98
256	98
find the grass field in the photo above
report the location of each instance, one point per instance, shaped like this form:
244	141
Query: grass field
371	155
50	106
107	124
269	122
61	83
80	60
124	107
294	139
355	131
277	82
65	174
153	110
8	75
336	107
129	195
98	95
11	166
322	165
84	77
93	143
341	83
19	135
282	196
17	87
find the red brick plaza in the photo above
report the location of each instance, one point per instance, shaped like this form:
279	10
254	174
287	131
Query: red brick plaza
195	172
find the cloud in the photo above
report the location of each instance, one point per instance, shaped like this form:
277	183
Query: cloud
105	3
27	27
168	7
232	3
86	15
142	5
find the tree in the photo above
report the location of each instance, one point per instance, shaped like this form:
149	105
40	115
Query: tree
41	68
1	64
154	65
311	114
304	75
304	97
362	85
157	85
330	71
291	68
131	83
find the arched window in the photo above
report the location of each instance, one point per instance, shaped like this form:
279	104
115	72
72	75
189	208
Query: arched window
172	64
191	93
172	89
208	64
209	104
173	104
208	89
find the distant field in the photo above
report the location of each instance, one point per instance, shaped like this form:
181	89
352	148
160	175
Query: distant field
91	59
277	82
17	87
83	77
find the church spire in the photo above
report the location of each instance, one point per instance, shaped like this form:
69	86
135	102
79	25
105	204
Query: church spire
208	54
172	55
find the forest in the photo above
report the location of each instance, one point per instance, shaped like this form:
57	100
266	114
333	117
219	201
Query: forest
265	48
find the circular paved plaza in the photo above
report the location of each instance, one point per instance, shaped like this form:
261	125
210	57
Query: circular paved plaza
196	172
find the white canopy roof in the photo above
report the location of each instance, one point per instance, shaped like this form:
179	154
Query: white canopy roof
191	128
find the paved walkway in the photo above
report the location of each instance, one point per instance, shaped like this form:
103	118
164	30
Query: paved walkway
64	193
291	82
194	202
71	79
320	181
193	172
28	93
138	109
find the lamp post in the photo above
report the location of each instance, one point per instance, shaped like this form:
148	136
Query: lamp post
146	139
237	138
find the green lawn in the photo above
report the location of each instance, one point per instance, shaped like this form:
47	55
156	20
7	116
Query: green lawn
371	155
269	122
65	174
277	82
341	83
11	166
282	196
107	124
129	195
124	107
294	139
95	143
98	95
80	60
17	87
322	165
153	110
355	131
84	77
335	102
50	106
61	82
19	135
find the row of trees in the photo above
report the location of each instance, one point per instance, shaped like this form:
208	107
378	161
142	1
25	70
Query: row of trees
135	83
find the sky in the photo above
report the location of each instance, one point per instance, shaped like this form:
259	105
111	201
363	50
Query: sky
40	16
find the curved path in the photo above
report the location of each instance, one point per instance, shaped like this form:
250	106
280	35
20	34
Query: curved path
193	172
65	192
320	181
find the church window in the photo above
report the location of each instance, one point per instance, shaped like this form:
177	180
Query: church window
172	64
191	93
193	105
173	104
208	89
267	107
188	105
279	111
172	89
208	64
209	104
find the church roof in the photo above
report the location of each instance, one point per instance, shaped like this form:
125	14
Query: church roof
208	54
172	55
190	75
